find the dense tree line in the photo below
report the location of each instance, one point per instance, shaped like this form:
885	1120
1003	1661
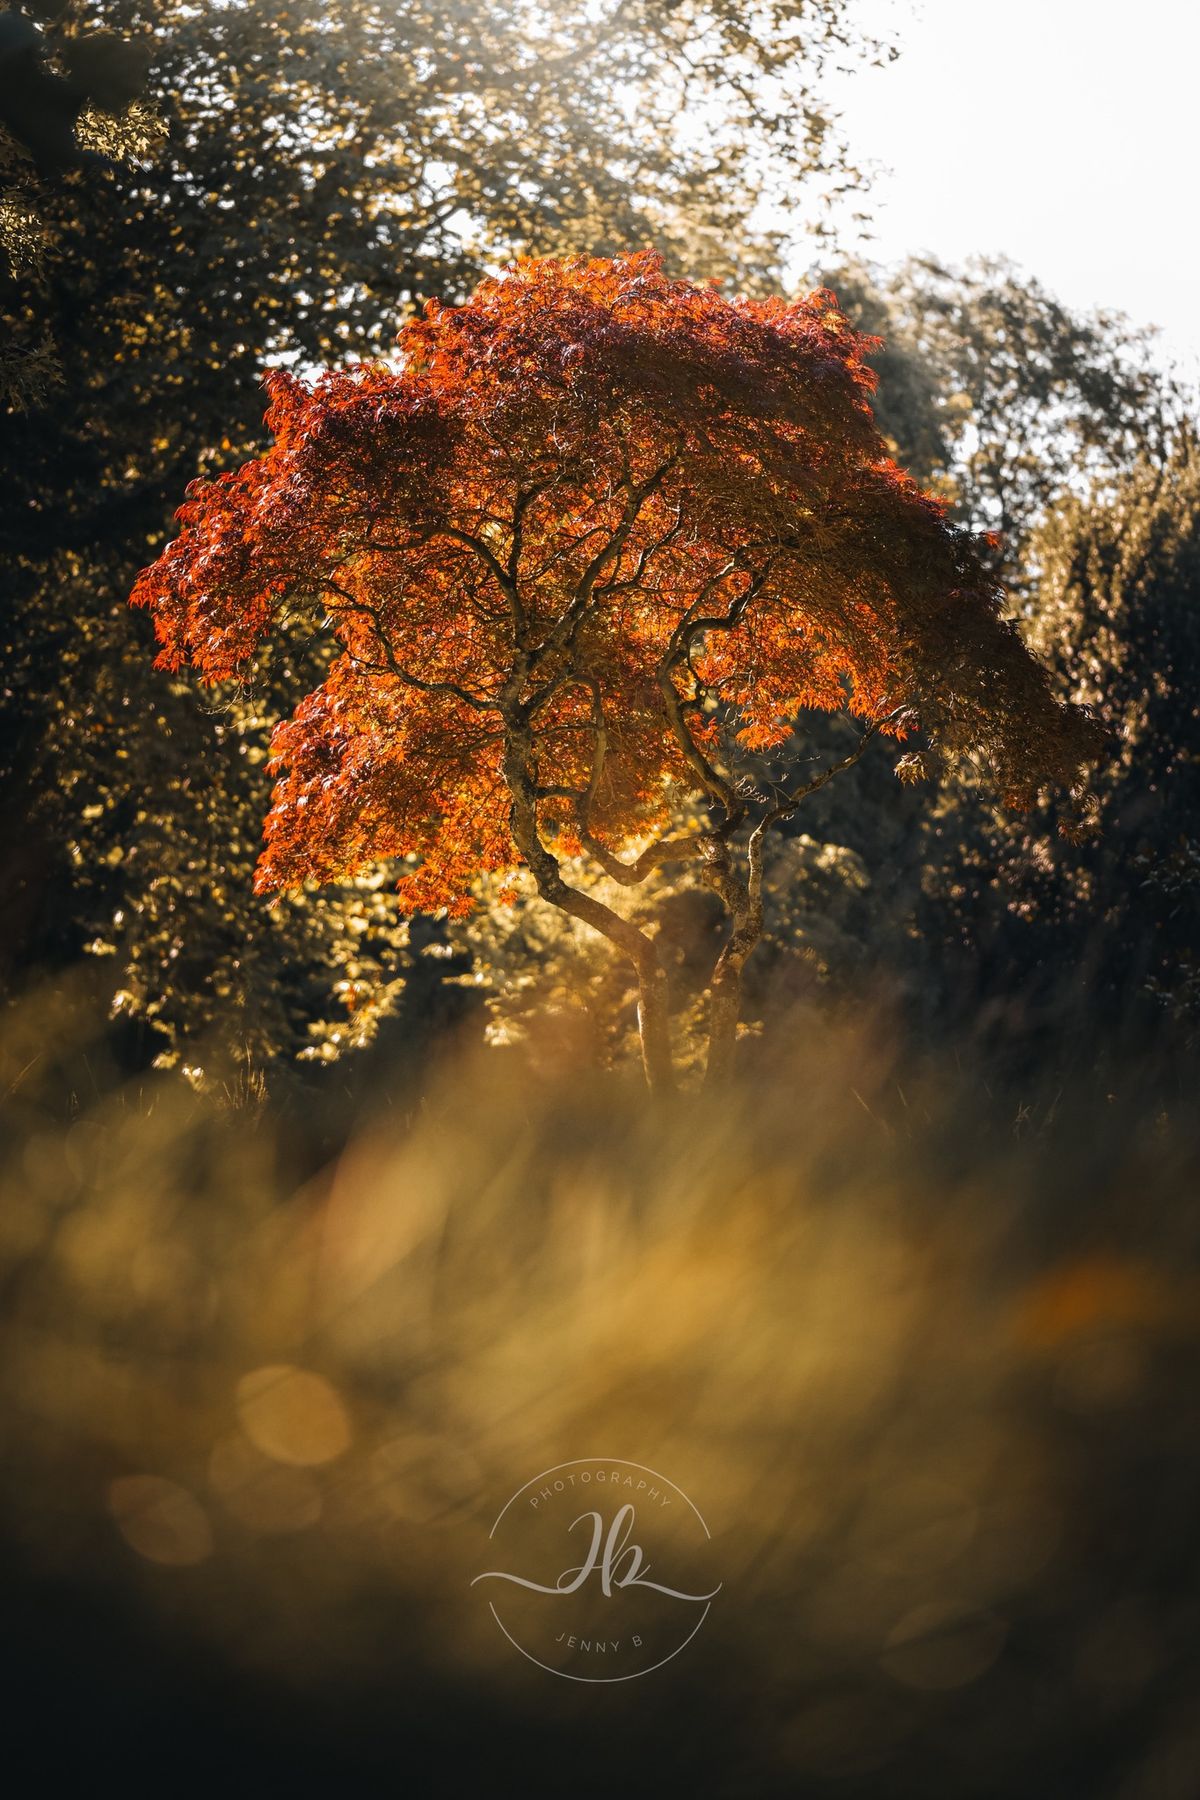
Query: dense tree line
283	187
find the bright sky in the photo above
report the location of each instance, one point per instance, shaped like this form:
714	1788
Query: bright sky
1064	134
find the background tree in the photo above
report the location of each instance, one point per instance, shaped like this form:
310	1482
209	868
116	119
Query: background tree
1119	579
323	167
69	99
1070	430
599	534
1004	397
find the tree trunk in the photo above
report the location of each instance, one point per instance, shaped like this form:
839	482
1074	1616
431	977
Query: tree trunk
654	1018
654	1028
724	1010
743	900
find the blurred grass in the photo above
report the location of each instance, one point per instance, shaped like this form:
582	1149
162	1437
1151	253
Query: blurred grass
933	1385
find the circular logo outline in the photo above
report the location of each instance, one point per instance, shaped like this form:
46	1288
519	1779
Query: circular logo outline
601	1680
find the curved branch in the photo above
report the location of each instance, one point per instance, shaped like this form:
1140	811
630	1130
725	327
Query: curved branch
565	631
693	626
787	807
667	850
390	664
505	581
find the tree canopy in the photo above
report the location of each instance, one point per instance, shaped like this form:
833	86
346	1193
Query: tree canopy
599	534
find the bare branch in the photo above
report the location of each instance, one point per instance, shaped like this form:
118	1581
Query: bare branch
787	807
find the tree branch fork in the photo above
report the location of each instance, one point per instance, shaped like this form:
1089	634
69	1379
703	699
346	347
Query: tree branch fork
540	669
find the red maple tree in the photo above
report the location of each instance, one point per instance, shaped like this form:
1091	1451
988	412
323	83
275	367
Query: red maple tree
596	538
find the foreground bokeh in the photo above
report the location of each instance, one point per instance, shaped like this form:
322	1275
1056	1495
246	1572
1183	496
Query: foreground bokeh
931	1379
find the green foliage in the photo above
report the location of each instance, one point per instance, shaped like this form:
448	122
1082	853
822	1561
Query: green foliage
1075	939
69	98
1118	586
990	383
322	168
